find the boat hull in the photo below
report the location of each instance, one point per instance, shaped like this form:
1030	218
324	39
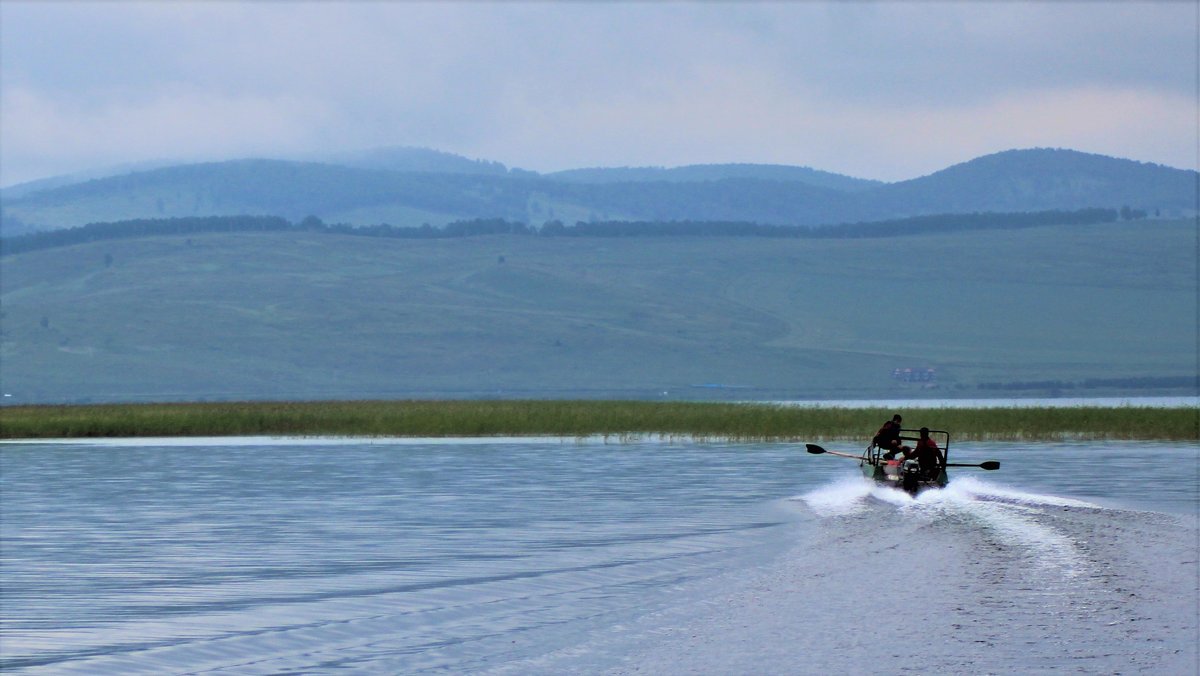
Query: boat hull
892	475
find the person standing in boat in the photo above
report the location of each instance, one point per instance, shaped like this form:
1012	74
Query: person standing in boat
928	456
888	438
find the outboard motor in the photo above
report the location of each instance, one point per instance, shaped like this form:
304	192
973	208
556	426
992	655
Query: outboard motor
910	476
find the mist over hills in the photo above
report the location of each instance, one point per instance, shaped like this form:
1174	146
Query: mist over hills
715	172
412	186
50	182
404	158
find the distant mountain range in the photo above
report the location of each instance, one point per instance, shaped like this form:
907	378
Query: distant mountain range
414	186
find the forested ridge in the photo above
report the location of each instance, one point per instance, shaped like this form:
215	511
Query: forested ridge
943	223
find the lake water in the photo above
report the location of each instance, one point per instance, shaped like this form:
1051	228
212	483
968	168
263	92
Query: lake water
267	556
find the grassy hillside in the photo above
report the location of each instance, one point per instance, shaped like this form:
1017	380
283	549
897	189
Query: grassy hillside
286	316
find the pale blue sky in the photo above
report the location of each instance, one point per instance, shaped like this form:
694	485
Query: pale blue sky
883	90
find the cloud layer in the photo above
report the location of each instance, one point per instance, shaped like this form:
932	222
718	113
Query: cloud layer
876	90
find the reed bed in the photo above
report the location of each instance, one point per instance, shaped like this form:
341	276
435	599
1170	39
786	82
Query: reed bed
620	419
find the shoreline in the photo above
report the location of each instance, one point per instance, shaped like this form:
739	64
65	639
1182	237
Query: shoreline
583	419
1004	402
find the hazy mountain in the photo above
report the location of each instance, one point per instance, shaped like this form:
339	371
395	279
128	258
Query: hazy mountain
450	188
730	199
716	172
1037	179
272	187
28	187
366	196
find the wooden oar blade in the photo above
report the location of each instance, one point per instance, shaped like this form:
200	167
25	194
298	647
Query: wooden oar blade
990	464
813	448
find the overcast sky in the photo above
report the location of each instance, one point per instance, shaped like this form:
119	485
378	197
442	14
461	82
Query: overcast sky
882	90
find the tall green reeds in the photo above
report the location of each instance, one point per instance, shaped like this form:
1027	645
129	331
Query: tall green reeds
725	421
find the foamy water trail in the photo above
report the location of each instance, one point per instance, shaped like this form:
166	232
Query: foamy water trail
1018	520
980	489
846	495
850	495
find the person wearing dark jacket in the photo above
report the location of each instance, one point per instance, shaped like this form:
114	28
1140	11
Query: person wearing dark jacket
927	455
888	438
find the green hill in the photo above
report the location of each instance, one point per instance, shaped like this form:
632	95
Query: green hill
1093	309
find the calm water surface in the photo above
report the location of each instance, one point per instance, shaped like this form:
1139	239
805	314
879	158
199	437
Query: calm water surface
276	556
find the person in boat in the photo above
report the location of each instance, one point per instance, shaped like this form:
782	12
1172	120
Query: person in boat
888	438
928	456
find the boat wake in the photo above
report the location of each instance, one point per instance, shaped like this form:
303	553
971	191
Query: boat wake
1010	580
847	495
1018	523
973	488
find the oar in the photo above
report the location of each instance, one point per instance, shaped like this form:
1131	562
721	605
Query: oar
990	464
817	450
